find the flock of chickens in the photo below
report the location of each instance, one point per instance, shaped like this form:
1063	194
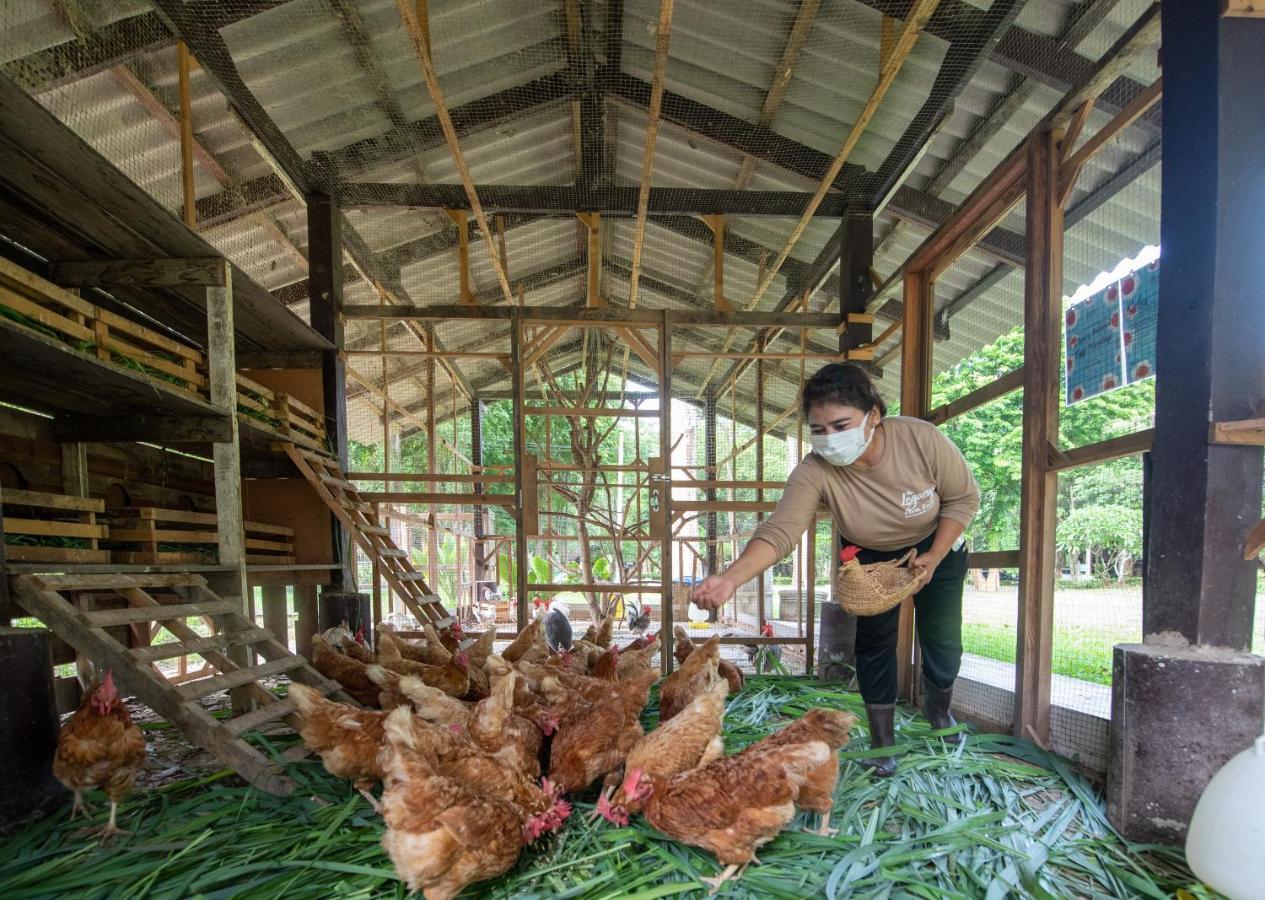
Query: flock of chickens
477	752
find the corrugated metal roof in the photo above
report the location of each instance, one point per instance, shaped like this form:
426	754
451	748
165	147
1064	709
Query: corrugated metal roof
298	61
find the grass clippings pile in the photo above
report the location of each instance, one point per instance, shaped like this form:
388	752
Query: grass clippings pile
997	817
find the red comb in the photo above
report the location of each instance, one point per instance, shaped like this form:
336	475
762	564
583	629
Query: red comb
848	553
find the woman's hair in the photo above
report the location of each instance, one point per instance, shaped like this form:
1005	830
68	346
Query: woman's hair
842	383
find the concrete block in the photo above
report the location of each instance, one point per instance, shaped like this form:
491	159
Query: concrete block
1178	715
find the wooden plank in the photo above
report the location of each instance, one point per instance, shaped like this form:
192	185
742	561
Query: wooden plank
599	317
148	428
159	272
112	582
1071	167
19	553
1000	387
1247	432
1039	485
919	14
664	491
430	476
106	618
166	535
530	516
591	412
434	498
45	527
994	559
155	652
1103	451
204	687
594	588
13	496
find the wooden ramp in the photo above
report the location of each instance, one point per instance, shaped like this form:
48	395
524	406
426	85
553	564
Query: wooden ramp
168	601
374	538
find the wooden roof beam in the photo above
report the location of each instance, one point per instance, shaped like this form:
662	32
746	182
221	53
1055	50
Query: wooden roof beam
663	32
419	34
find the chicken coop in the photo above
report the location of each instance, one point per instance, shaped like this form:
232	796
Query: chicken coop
416	353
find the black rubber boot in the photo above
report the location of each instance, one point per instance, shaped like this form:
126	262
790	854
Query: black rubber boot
882	718
936	706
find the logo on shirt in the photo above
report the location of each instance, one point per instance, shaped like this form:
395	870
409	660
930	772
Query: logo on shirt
918	503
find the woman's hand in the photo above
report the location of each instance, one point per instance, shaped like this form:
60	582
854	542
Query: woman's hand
927	562
714	592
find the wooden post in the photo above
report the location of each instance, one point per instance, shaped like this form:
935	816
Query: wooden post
276	618
915	400
325	288
856	258
763	581
74	473
709	457
479	548
520	489
1188	698
230	533
432	439
186	135
304	617
665	454
1043	293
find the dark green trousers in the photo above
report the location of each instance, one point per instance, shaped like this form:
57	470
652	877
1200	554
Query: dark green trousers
937	620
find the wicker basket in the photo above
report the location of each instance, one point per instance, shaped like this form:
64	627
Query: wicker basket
870	590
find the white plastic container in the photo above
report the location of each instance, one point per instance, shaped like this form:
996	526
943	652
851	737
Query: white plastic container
1225	845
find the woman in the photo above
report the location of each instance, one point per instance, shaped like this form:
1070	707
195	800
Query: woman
890	484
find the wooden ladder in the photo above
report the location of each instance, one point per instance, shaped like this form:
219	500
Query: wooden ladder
182	596
367	530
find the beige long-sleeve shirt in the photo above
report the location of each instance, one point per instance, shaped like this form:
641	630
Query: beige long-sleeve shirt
920	478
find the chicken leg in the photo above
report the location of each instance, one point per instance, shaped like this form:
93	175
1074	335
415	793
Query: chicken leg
373	801
111	829
732	872
81	806
824	829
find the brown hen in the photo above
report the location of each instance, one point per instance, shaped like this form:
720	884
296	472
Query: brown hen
832	727
100	748
696	675
730	807
345	670
348	740
683	645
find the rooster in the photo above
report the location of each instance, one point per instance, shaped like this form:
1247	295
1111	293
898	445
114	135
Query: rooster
100	748
764	657
637	618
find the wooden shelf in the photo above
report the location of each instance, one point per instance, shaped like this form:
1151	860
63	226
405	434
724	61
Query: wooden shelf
42	373
62	199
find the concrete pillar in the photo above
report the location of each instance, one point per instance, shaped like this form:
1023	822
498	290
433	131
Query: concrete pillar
1190	696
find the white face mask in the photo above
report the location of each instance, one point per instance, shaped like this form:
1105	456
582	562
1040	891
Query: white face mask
843	448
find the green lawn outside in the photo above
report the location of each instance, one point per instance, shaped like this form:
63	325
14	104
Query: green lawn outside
1082	652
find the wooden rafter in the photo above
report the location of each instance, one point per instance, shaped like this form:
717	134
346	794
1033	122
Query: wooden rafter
919	14
419	33
654	122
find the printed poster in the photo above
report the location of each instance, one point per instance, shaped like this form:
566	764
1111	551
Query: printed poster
1110	336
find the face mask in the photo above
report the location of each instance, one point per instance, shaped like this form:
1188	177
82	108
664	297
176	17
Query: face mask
843	448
